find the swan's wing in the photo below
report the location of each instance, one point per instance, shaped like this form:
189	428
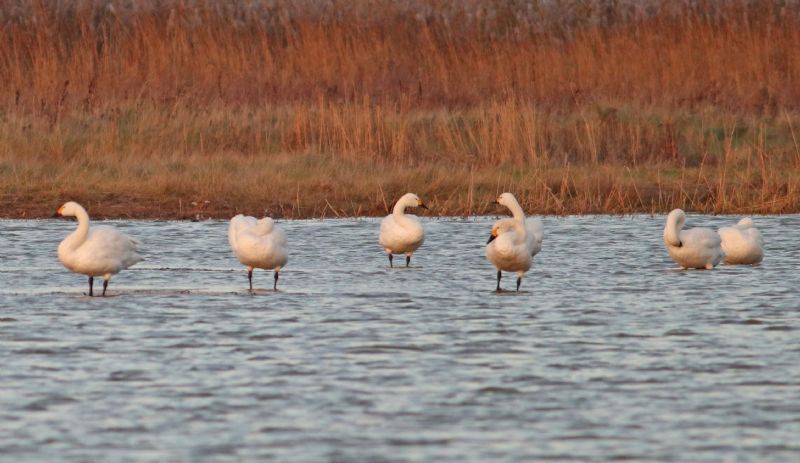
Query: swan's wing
535	230
111	246
386	234
279	236
239	224
755	235
701	237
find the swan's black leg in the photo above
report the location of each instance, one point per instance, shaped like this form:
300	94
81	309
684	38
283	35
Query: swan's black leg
408	260
105	285
519	282
390	260
275	286
499	275
250	278
91	283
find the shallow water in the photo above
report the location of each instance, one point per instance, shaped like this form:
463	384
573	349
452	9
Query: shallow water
609	353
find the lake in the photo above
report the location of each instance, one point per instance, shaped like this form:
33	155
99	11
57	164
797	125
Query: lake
608	353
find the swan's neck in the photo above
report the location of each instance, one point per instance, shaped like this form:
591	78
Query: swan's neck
399	209
516	211
672	232
77	237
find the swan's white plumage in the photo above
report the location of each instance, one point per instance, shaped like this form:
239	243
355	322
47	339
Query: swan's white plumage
742	243
401	233
693	248
533	226
508	250
258	243
95	251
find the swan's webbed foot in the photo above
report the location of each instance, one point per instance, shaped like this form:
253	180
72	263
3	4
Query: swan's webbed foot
408	260
390	260
91	284
250	278
499	276
519	282
275	286
105	286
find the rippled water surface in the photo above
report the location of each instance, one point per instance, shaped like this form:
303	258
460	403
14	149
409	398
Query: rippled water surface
609	353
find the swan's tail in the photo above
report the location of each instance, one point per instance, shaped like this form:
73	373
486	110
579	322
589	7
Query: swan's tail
535	229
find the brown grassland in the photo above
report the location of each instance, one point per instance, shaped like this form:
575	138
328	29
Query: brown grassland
175	109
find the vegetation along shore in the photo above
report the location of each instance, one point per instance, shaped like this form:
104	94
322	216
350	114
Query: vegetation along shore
201	108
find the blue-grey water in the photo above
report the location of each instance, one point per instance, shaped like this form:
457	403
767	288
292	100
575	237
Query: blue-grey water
609	353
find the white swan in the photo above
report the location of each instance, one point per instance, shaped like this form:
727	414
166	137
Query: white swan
533	226
258	244
693	248
742	243
508	250
99	251
401	233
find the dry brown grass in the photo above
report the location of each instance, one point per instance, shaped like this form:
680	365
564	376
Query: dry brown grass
312	111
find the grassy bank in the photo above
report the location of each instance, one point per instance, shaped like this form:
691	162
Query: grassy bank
212	108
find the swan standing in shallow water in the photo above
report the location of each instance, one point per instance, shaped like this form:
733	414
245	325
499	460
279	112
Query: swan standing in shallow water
693	248
742	243
258	244
508	250
99	251
401	233
533	226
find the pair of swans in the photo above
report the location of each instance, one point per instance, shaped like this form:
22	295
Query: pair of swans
703	248
514	241
105	251
511	247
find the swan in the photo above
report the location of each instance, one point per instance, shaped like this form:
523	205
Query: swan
693	248
401	233
507	249
533	225
258	244
99	251
742	243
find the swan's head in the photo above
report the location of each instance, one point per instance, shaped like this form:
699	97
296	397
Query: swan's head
412	200
746	222
675	221
506	199
68	209
500	227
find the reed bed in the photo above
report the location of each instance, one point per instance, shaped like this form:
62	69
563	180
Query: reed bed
312	109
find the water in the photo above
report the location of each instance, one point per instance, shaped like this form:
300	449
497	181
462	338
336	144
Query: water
609	353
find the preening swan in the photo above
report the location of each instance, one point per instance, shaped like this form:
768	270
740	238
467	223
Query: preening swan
401	233
258	244
693	248
742	243
533	226
508	250
99	251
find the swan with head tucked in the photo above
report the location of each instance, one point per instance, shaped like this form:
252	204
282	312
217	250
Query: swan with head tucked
258	244
97	251
508	250
401	233
693	248
742	243
533	225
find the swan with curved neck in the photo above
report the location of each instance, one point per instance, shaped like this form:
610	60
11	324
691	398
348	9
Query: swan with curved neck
401	233
507	249
96	251
533	226
258	244
693	248
742	243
